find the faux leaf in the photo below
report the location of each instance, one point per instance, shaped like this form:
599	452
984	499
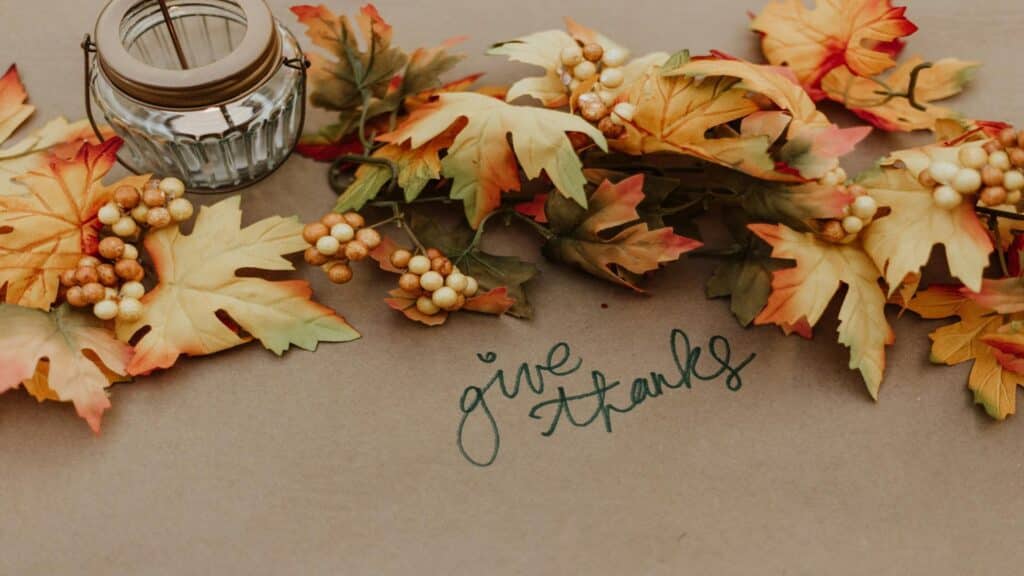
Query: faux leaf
994	387
495	302
866	97
201	297
863	35
481	160
802	293
63	355
902	242
48	229
610	241
745	277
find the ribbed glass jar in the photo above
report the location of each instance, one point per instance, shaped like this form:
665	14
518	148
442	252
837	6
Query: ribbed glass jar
239	132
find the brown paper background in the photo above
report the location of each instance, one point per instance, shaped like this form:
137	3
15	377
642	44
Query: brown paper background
344	461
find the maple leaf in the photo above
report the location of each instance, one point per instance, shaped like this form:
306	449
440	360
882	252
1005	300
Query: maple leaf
58	137
688	109
901	242
62	355
198	283
481	160
863	35
994	387
745	275
801	294
608	239
47	230
867	97
491	271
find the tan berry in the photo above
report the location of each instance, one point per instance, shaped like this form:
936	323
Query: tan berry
610	129
459	303
593	111
355	220
158	217
441	265
105	310
106	274
992	146
1008	137
313	257
154	197
571	55
180	209
832	231
109	293
993	195
75	297
331	218
127	197
400	258
409	282
1000	160
593	52
129	270
93	292
172	187
419	264
314	231
86	274
991	176
130	252
140	212
1017	157
856	190
356	251
1013	180
67	277
369	236
434	253
426	306
111	247
340	273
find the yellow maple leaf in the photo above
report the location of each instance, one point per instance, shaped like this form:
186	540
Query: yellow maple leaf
47	230
802	293
994	387
62	355
201	303
901	242
867	97
861	34
482	162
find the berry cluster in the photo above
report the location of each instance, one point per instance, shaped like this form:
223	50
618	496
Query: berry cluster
993	170
858	214
159	204
592	63
434	280
112	286
336	240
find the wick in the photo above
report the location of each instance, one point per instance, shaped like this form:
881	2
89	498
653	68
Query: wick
174	34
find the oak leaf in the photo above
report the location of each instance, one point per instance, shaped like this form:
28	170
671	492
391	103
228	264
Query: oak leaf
863	35
48	229
62	355
481	160
802	293
201	299
868	97
901	242
994	387
608	239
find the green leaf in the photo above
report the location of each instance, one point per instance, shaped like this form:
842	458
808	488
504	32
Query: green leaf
675	61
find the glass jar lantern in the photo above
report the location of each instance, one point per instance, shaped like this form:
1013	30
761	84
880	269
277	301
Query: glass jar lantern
210	91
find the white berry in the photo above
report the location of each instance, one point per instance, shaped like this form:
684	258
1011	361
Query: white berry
966	181
172	187
140	213
129	309
426	305
584	70
130	252
328	245
943	172
625	111
973	157
419	264
471	287
607	97
105	310
456	281
431	281
125	227
180	209
343	232
864	207
614	57
852	224
571	56
946	197
1013	180
109	214
445	297
612	77
999	159
133	290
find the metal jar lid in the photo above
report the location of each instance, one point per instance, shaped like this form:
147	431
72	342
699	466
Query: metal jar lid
246	67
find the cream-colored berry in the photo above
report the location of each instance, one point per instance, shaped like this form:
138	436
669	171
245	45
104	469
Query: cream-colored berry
571	55
864	207
946	197
125	227
180	209
172	187
624	111
419	264
426	306
109	214
943	172
456	281
966	181
584	70
444	297
1013	197
1000	159
973	157
852	224
369	236
328	245
343	232
614	57
140	213
612	78
431	281
130	252
133	290
105	310
1013	180
471	287
129	309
